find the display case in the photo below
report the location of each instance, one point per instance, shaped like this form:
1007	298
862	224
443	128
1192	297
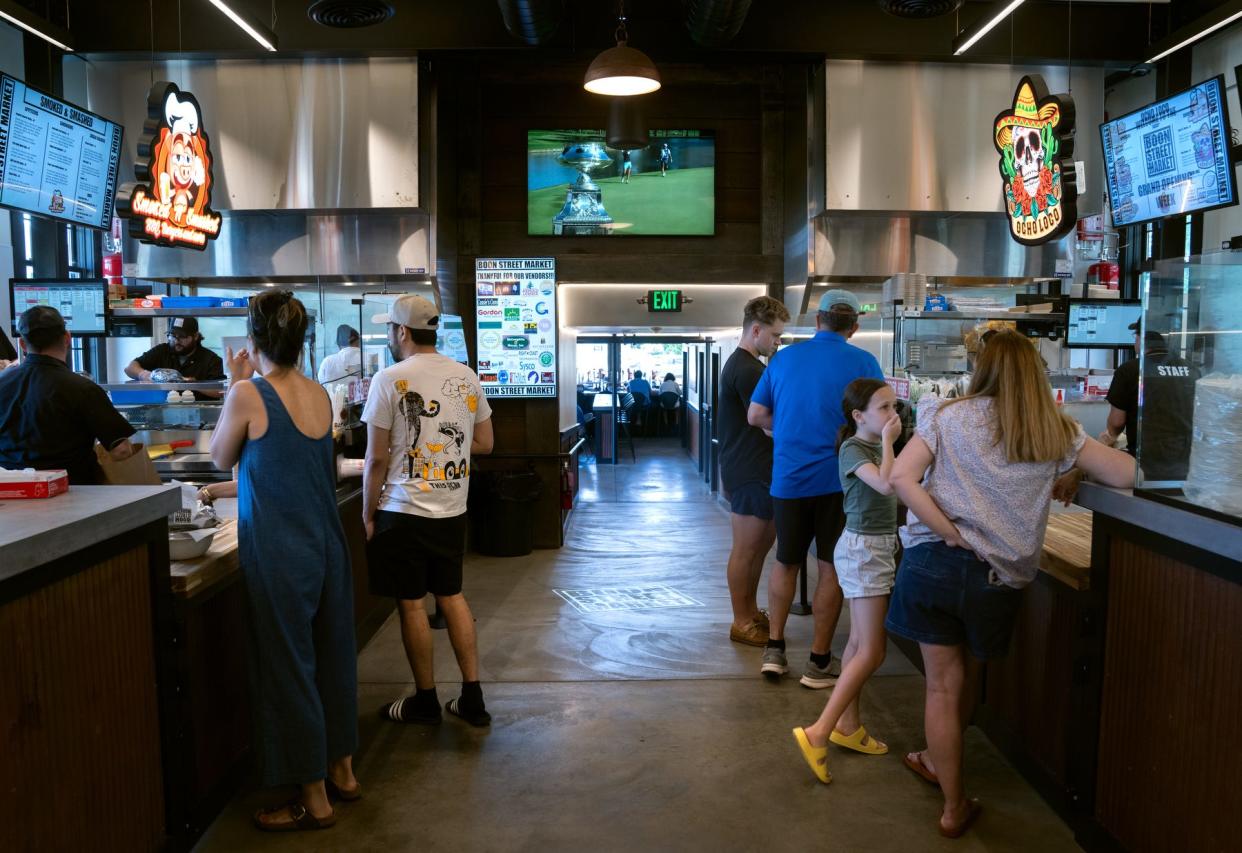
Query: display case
178	430
1190	386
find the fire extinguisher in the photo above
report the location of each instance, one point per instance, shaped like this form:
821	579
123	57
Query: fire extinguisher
567	490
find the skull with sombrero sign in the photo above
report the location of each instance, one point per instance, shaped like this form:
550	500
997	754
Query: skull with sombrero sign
1035	140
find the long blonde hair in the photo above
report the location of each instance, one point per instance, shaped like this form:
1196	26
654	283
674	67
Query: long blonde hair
1028	424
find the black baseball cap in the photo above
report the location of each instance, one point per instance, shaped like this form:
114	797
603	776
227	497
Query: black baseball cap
1134	327
182	326
38	318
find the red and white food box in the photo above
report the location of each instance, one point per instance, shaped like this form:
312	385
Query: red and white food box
33	484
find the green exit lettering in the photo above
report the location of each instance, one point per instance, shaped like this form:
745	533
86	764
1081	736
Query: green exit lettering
663	300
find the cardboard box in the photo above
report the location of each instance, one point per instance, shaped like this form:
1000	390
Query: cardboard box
34	484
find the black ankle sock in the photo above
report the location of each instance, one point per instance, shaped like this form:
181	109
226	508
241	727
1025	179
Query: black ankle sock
426	698
821	661
471	694
776	644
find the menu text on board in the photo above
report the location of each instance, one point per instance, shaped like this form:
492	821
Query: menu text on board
515	313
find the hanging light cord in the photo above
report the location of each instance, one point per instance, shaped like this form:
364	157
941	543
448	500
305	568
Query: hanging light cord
621	34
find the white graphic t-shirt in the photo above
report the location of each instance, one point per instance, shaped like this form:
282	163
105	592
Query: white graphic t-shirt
429	404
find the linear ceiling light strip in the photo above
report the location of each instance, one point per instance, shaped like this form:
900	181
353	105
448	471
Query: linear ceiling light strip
988	27
1201	34
259	34
15	14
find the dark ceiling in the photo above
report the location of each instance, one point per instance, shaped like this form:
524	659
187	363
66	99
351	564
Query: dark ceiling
1042	30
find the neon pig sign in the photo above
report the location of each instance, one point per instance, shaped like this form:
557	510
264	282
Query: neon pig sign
171	206
1035	140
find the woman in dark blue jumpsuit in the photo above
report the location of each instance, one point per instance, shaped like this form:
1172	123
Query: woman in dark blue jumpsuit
295	562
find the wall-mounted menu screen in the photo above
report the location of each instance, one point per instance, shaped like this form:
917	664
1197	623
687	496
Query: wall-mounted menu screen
56	159
1171	157
515	310
451	339
81	302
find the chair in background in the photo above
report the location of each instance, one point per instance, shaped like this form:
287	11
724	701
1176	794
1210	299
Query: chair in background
670	409
625	417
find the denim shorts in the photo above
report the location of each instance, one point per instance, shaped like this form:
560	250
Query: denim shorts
943	597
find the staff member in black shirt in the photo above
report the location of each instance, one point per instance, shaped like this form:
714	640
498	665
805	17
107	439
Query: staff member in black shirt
50	417
184	352
1168	407
746	467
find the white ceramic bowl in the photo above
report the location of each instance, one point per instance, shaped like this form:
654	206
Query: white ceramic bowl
182	547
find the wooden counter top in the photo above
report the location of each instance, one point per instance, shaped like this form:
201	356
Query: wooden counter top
1067	549
220	561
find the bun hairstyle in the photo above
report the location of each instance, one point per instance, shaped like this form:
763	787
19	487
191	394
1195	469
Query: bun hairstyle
277	325
857	398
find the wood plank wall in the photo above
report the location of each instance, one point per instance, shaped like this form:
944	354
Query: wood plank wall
78	704
1170	728
485	106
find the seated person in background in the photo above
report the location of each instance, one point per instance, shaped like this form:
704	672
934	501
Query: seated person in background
669	385
50	417
345	364
184	352
638	385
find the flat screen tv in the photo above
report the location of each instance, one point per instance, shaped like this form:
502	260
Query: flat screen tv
577	186
1101	323
1171	157
56	159
82	302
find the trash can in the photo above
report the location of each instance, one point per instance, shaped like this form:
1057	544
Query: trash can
501	512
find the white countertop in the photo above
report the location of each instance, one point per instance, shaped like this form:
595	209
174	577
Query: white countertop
36	532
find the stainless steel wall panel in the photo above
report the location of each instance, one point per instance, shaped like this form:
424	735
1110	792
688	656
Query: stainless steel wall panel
918	136
286	134
295	243
866	243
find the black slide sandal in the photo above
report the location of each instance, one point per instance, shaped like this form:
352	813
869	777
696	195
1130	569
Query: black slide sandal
479	718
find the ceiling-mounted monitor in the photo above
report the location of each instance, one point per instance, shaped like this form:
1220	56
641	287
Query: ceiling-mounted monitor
82	302
1172	157
577	186
56	159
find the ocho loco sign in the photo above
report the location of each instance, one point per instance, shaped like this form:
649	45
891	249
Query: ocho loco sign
1035	140
171	206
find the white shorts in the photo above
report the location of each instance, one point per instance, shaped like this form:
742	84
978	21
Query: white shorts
865	563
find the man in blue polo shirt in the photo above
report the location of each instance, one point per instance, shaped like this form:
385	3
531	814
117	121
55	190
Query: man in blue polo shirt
799	401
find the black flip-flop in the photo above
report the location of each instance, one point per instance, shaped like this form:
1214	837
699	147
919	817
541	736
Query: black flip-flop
479	718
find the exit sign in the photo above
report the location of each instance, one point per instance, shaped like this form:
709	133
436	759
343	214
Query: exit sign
663	301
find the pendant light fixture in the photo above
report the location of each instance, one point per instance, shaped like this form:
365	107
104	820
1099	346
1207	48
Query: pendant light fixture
622	71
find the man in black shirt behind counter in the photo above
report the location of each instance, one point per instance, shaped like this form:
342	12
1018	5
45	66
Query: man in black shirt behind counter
746	467
184	352
1167	411
50	417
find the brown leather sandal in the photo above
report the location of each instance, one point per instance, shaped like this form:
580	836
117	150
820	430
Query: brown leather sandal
914	760
972	813
336	792
301	819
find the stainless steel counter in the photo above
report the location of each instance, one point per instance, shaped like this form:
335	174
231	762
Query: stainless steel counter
1207	534
36	532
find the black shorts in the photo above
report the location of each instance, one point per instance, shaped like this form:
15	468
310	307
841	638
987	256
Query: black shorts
753	499
410	555
799	521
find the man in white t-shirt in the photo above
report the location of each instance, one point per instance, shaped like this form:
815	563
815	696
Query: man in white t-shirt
426	417
347	362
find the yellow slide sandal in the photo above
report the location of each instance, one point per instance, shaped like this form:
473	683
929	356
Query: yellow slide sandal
816	756
859	741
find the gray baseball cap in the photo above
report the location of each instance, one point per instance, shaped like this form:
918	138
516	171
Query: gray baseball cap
839	297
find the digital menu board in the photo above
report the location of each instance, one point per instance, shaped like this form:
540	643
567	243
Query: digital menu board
1170	157
515	310
80	301
56	159
451	339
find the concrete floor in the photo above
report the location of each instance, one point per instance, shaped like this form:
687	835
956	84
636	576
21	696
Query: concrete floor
638	730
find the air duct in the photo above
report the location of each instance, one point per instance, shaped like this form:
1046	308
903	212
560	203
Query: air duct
350	14
919	8
715	23
532	21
